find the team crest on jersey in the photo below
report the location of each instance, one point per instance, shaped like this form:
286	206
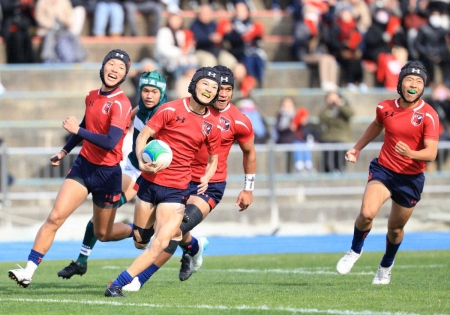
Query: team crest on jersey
206	128
224	124
417	119
106	107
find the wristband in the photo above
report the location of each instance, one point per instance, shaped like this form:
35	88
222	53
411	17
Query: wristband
249	183
65	151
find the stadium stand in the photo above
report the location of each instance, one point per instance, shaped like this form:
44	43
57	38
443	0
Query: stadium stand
38	98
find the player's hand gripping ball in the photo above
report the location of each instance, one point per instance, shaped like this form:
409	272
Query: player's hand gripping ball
157	151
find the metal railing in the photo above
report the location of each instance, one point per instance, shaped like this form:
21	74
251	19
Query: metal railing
36	179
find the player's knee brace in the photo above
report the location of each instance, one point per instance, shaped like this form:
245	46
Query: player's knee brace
172	247
195	217
142	236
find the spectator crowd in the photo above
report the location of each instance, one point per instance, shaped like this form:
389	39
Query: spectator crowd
352	35
338	39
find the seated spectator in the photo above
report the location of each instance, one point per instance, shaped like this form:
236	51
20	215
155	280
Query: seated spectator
182	84
175	47
243	82
208	48
309	47
53	14
79	16
54	19
242	38
289	129
335	120
16	30
432	46
382	39
392	6
361	13
344	40
382	35
249	108
440	101
155	8
415	15
108	12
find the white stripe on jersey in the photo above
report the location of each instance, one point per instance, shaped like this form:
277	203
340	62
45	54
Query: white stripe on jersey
112	95
242	123
432	119
138	124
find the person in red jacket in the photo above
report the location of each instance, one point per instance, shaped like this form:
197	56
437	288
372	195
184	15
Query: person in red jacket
243	36
344	43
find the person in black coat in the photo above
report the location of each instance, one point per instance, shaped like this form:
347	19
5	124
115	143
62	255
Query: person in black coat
16	30
432	45
377	39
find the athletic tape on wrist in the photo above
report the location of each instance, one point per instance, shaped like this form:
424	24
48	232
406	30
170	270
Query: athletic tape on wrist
249	183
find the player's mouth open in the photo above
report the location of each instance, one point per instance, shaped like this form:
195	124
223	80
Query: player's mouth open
206	95
112	76
412	91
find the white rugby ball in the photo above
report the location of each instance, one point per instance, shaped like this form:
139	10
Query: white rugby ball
157	151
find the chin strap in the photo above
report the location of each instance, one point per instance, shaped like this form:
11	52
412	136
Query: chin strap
403	98
194	96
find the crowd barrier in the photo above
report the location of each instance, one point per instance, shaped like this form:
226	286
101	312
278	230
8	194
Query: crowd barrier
276	179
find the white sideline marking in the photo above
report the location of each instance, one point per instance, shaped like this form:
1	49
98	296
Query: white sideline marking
304	271
211	307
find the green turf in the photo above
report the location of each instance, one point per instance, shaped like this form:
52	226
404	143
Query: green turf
253	284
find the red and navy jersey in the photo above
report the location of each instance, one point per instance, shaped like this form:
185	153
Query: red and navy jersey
409	125
234	126
102	112
185	132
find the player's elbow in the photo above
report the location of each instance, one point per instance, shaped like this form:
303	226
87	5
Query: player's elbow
432	157
110	145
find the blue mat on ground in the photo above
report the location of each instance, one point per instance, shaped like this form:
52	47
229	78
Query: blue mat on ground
330	243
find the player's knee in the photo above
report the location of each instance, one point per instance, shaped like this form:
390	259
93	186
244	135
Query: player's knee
395	231
54	221
142	236
101	236
160	244
140	245
195	217
366	216
172	247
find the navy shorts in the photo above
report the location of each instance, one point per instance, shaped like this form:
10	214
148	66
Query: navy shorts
156	194
103	182
212	195
405	189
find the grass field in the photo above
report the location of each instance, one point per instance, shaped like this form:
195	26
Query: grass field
252	284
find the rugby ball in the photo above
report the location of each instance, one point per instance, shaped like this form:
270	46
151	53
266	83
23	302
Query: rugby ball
157	151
